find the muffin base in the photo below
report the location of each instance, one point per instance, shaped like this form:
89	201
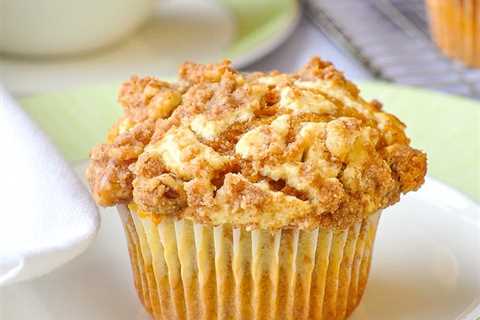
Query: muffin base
455	27
185	270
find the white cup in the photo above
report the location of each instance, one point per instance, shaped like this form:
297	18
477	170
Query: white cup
64	27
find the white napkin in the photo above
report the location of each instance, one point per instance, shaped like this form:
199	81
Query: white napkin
46	215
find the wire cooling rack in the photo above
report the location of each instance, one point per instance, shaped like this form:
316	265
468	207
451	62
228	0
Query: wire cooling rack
391	39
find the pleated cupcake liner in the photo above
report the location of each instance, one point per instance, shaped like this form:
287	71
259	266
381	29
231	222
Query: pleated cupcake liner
186	270
455	27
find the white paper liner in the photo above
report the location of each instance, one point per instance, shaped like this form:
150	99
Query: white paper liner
185	270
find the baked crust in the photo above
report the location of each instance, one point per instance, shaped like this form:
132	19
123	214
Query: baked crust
259	150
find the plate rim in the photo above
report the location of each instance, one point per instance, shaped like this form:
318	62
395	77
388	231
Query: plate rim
246	58
451	189
472	210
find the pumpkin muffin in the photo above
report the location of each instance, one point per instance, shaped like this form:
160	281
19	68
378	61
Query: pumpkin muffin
455	27
252	196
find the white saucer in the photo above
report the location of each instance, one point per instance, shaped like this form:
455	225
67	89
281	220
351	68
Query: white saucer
180	30
426	266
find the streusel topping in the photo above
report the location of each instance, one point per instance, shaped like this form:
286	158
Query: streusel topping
259	150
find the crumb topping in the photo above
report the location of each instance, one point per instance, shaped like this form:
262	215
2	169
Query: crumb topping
258	150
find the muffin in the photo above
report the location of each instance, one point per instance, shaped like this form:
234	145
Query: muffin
251	196
455	27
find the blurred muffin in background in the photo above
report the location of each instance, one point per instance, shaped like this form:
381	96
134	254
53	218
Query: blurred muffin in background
455	27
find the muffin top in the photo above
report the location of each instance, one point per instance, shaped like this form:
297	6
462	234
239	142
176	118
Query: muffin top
257	150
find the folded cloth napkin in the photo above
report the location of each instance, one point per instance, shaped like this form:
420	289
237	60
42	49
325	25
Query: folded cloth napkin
46	215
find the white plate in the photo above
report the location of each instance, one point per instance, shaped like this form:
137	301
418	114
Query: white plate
426	266
195	30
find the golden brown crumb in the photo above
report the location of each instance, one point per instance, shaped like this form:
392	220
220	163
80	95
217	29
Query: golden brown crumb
256	150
